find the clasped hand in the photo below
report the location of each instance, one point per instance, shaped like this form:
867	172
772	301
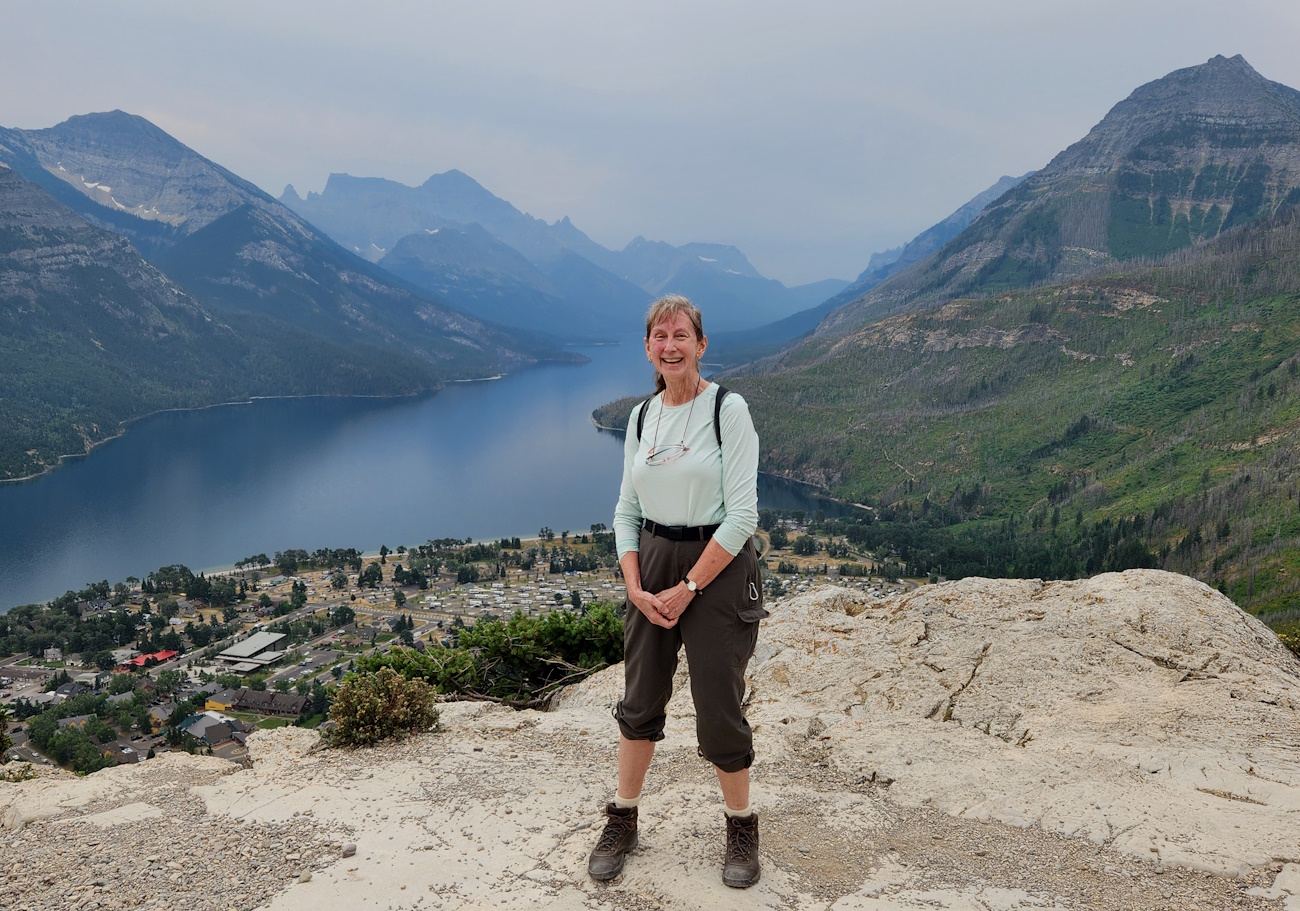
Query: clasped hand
666	607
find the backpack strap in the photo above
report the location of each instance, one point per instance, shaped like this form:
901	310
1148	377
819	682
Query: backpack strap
717	415
640	417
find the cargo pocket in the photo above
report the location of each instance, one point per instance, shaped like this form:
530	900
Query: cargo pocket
751	603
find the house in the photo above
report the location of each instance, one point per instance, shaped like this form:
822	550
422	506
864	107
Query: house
219	733
119	698
76	721
264	702
93	679
160	714
53	654
121	753
70	690
212	727
97	606
222	701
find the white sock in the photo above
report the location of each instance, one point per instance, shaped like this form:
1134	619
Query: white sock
738	814
624	803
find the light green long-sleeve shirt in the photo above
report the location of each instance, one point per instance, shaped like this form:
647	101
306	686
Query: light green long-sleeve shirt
705	486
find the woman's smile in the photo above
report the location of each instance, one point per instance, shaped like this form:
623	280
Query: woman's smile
673	348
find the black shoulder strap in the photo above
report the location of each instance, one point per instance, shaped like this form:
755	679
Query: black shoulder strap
717	415
640	417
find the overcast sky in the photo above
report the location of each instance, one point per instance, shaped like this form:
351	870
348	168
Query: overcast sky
807	134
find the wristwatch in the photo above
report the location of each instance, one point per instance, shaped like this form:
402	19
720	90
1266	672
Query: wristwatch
691	586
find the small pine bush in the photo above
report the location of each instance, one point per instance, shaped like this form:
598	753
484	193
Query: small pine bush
369	708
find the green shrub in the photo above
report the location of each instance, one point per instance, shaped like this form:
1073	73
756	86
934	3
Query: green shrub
384	705
1291	639
19	771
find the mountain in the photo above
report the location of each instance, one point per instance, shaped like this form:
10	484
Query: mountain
250	261
1183	158
123	173
717	277
370	215
239	250
762	341
883	265
1144	412
92	335
475	272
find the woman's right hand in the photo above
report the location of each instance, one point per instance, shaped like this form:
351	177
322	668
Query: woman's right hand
654	609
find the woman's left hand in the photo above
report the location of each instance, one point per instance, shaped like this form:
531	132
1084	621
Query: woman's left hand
675	600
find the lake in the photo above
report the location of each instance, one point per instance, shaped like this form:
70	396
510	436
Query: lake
207	488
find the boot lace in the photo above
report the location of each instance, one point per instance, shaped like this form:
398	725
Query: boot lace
741	842
614	829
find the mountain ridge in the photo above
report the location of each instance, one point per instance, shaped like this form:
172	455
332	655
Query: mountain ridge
1180	159
1010	412
371	214
92	336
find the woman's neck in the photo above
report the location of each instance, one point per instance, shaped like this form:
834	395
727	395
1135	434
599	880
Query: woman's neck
681	393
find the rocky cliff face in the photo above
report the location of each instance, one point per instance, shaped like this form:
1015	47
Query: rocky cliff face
1128	741
124	163
1180	160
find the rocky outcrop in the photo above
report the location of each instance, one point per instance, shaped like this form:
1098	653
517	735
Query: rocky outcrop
1180	160
1129	741
126	164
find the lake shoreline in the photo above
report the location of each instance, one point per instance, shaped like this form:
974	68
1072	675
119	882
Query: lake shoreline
125	425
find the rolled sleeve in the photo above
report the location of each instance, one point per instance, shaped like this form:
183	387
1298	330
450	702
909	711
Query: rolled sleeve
739	475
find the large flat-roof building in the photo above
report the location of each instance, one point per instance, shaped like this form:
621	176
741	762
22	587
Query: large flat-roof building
257	651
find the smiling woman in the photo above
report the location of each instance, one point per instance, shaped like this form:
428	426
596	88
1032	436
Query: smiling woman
687	508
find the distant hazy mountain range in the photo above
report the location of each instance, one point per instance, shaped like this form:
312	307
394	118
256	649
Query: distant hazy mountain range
242	297
731	348
135	274
573	277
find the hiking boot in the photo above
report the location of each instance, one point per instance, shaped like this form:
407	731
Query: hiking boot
740	870
618	838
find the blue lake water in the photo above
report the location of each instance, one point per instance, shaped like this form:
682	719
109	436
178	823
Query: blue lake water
206	488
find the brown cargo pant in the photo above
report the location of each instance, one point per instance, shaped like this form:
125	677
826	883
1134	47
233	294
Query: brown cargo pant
719	630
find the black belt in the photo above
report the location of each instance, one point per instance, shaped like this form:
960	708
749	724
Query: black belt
680	532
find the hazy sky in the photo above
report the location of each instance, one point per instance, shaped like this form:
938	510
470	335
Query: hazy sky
807	134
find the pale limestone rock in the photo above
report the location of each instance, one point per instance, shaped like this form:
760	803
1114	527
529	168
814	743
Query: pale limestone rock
1142	711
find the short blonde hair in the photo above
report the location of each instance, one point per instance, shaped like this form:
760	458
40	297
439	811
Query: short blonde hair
671	305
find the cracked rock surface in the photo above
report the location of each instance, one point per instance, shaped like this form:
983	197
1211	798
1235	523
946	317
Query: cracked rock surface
1130	741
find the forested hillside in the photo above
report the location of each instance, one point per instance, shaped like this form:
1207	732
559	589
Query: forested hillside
1148	417
92	335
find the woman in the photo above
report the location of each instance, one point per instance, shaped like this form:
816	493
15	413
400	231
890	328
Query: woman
686	512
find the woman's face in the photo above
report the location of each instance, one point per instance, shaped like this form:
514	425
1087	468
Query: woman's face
674	349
